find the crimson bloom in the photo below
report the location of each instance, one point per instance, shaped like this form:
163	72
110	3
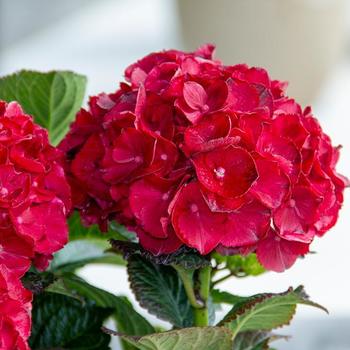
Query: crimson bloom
15	308
192	152
34	202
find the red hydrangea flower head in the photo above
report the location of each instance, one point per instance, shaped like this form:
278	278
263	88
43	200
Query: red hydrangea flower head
34	194
34	202
192	152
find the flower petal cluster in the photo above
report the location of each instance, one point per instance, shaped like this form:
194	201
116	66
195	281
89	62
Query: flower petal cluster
192	152
15	308
34	202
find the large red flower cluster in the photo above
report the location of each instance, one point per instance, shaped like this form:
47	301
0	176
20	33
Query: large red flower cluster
192	152
34	201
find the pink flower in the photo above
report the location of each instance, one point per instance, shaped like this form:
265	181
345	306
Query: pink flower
192	152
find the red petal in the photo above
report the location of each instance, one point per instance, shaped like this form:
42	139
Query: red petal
252	125
200	228
294	219
220	204
194	223
278	254
229	172
157	118
14	186
195	95
290	127
85	166
45	224
246	97
217	93
211	132
15	252
246	225
159	246
149	200
282	150
272	186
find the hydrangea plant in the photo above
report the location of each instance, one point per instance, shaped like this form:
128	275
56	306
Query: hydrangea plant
190	169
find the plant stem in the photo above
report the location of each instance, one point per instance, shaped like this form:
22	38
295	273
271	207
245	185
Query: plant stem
187	280
200	304
204	279
224	278
201	316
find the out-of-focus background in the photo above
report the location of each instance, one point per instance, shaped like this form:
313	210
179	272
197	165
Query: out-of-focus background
304	41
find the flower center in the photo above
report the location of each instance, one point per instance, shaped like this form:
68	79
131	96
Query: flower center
4	191
292	203
163	156
219	172
138	159
194	208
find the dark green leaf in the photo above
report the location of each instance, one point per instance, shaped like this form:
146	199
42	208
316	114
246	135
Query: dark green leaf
52	98
63	322
128	321
264	312
185	257
196	338
159	289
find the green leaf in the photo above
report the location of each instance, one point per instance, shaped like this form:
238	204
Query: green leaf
185	257
63	322
196	338
128	321
220	297
244	265
255	340
264	312
79	253
52	98
59	287
160	290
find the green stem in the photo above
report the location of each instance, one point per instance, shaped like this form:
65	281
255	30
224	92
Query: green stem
224	278
199	305
204	280
186	276
201	316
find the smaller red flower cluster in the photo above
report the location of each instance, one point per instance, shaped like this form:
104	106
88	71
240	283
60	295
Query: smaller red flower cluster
194	152
34	201
15	308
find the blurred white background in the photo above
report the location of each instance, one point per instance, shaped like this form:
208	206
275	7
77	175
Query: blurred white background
100	38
